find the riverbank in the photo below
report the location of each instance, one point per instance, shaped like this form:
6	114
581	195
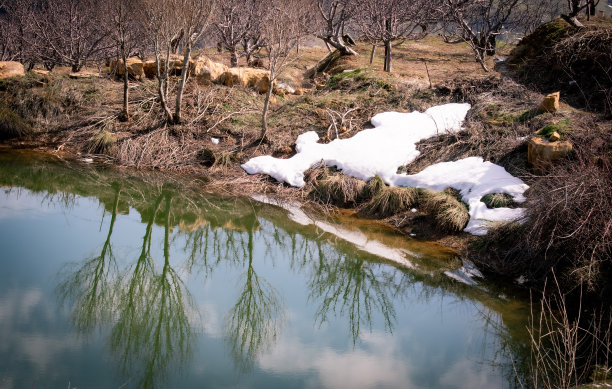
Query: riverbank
78	118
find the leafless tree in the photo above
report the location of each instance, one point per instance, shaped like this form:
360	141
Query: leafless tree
238	23
577	6
336	15
386	21
284	25
479	22
166	22
125	33
70	31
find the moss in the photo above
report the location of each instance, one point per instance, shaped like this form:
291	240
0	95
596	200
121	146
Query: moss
561	127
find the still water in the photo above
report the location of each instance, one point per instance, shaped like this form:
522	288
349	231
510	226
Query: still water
115	281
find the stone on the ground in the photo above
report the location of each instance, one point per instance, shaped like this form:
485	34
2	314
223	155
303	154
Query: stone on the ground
207	71
541	153
11	69
135	67
550	103
555	136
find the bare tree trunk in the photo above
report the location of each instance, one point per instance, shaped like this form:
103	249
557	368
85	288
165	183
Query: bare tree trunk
387	64
125	113
233	57
264	117
372	53
162	81
181	85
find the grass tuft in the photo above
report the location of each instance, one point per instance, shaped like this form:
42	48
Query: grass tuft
339	190
102	142
374	186
449	212
498	200
390	201
12	125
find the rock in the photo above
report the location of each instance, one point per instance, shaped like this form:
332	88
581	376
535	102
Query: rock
135	67
11	69
550	103
82	75
149	69
554	137
207	71
541	153
257	79
175	69
282	89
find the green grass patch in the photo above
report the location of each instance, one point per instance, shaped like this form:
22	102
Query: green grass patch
561	127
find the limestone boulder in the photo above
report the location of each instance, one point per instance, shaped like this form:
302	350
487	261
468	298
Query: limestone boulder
542	153
175	68
207	71
550	103
11	69
257	79
135	67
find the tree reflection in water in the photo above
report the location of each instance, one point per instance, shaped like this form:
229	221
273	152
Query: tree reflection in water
92	286
152	328
351	287
258	315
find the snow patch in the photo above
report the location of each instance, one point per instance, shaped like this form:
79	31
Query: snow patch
392	143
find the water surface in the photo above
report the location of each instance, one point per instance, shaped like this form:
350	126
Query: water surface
113	281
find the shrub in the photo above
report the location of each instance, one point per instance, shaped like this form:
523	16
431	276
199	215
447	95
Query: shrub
102	142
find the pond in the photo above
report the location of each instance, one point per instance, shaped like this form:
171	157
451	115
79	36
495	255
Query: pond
138	281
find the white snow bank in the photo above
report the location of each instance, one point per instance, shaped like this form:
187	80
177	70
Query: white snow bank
392	143
380	150
474	178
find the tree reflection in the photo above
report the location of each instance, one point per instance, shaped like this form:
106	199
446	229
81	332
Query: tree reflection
92	286
355	288
152	329
257	317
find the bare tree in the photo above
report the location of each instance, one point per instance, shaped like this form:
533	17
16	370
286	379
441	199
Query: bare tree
387	21
70	31
336	15
237	22
194	18
575	7
284	25
125	33
165	23
480	22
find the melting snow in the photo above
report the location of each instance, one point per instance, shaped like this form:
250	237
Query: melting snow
392	143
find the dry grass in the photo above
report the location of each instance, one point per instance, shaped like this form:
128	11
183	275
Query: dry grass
102	142
449	212
390	201
338	189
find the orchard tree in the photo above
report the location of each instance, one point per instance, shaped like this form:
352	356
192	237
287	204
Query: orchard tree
284	25
126	35
165	22
479	22
577	6
238	23
70	32
387	21
335	16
